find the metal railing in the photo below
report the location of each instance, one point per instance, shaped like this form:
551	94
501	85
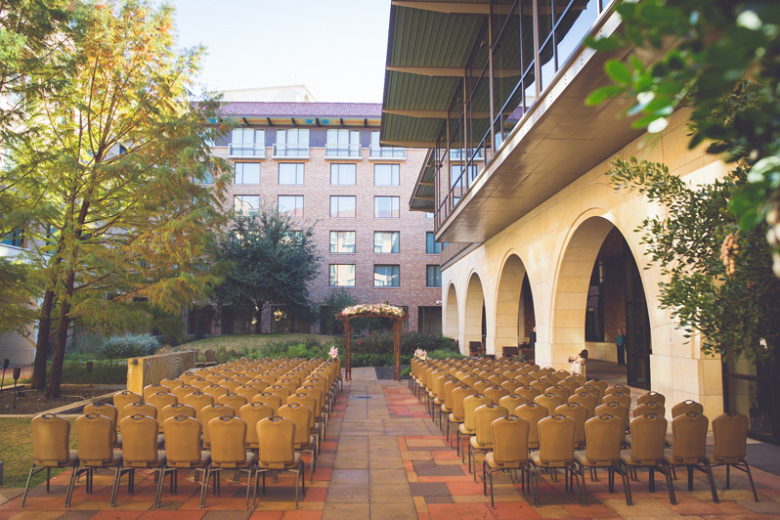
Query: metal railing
387	152
339	151
246	151
291	151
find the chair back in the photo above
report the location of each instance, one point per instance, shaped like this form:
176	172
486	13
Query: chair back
577	413
316	392
528	392
228	436
618	397
512	401
647	407
253	413
560	390
685	407
603	435
651	397
689	437
170	384
93	432
549	401
532	413
229	383
277	442
556	440
198	400
183	390
282	391
470	404
613	408
620	388
459	395
209	412
302	417
540	385
510	384
172	410
648	433
50	435
153	389
138	408
591	389
248	390
585	399
510	440
233	400
484	415
139	441
306	399
268	399
214	390
730	433
160	400
106	409
122	399
182	441
495	393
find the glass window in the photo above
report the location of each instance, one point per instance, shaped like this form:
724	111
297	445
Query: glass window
387	207
247	142
247	173
342	206
208	178
380	151
342	174
292	143
387	276
387	174
293	236
428	214
291	205
342	275
465	180
246	204
342	143
432	247
291	173
387	241
432	276
342	241
14	238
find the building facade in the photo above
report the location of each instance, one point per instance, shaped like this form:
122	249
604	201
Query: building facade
322	163
541	247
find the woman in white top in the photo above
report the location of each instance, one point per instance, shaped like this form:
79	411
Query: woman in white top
578	363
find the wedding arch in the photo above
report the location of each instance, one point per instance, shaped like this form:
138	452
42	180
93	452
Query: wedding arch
374	310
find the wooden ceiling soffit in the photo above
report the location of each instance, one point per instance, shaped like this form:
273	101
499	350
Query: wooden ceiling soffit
453	72
432	114
409	144
480	8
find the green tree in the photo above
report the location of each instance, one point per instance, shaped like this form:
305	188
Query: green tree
719	280
706	53
272	259
113	179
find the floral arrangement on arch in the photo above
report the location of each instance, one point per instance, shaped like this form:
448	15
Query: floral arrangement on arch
421	354
377	309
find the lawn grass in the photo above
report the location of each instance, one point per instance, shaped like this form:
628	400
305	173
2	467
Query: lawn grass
236	341
16	452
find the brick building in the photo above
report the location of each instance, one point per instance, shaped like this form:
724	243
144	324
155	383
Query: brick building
322	163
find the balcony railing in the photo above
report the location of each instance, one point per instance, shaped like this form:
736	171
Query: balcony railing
246	151
296	152
387	152
339	151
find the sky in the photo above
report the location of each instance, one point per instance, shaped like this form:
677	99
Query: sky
337	48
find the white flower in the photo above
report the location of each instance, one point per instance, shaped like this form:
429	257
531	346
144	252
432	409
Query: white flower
333	353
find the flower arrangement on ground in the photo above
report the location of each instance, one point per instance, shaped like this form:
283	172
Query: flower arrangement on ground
384	310
421	354
333	353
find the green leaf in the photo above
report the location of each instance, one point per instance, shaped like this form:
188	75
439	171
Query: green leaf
618	72
603	44
603	93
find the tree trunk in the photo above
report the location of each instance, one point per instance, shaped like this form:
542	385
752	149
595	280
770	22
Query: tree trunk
42	344
55	378
258	319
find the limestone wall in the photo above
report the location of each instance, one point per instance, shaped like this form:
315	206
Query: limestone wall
147	370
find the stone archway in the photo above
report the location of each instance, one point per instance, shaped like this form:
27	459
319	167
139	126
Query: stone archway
512	298
451	320
473	322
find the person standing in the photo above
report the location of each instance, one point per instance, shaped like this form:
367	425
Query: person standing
621	347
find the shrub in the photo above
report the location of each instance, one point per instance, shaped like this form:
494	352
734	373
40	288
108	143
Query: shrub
128	346
382	342
103	373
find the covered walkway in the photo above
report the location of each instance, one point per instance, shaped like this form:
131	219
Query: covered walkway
384	459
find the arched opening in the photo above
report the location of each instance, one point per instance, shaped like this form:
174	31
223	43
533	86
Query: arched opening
600	295
475	329
451	314
515	317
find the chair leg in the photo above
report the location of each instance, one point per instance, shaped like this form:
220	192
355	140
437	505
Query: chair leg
48	479
71	483
623	470
27	486
115	488
204	487
492	500
708	471
750	478
727	475
668	470
160	481
248	484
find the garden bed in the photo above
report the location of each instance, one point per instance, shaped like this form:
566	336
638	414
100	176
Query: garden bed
30	401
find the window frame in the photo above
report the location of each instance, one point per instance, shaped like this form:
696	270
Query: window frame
437	276
395	275
297	211
430	238
243	165
354	211
299	172
250	213
338	174
395	206
395	174
335	250
333	275
393	235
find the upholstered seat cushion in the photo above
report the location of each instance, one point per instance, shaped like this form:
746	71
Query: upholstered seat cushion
281	465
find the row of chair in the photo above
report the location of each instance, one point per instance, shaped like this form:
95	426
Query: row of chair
208	438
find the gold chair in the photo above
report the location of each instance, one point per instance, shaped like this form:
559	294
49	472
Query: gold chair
619	388
585	399
95	450
139	450
651	396
549	401
160	400
540	385
730	433
603	435
647	407
458	414
277	451
689	436
509	453
171	383
231	399
528	392
137	408
533	413
198	400
268	399
185	389
591	389
248	391
619	397
510	384
172	410
579	414
560	390
214	390
685	407
182	436
50	435
228	451
304	441
209	412
556	450
469	425
482	441
153	389
495	393
253	413
122	399
512	401
648	433
616	409
109	411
